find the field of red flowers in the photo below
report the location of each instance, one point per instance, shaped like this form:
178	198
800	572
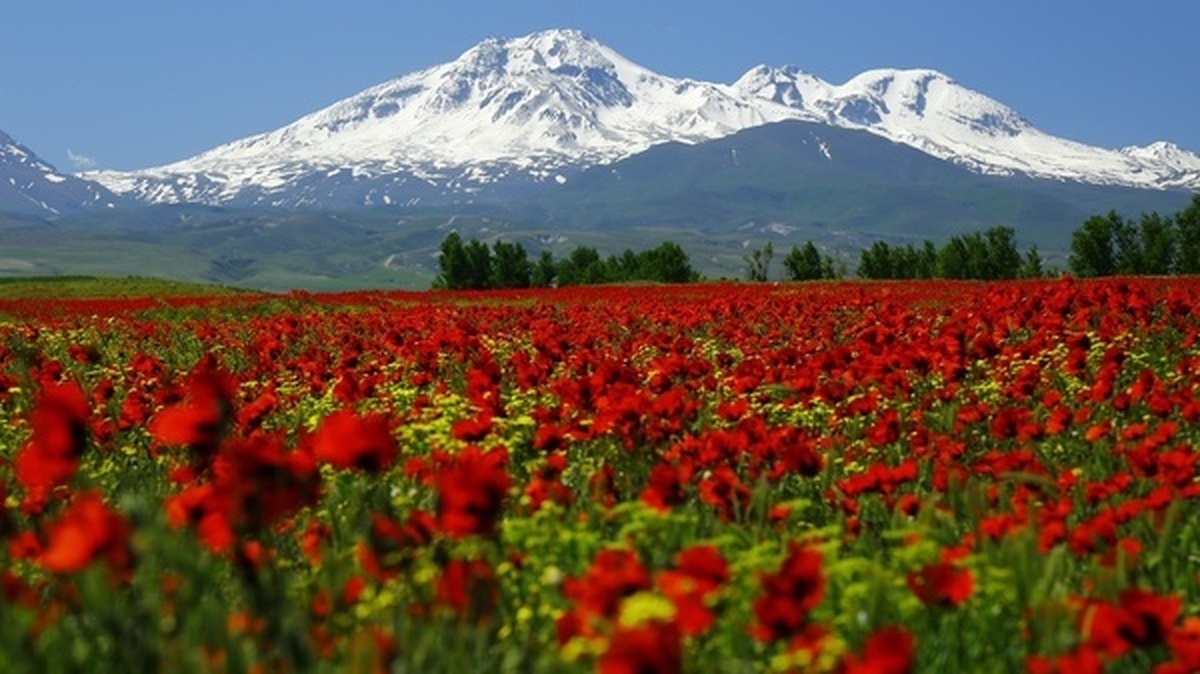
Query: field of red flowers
845	477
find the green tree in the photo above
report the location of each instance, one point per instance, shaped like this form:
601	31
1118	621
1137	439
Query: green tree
1003	260
1032	266
1130	256
758	263
807	264
479	265
1157	244
582	266
510	266
452	264
1187	236
1093	246
545	271
667	263
927	261
629	266
954	259
876	262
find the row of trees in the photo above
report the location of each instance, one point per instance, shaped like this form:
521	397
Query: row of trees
988	255
1105	245
474	266
802	263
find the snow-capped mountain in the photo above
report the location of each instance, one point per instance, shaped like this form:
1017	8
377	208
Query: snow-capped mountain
537	108
31	186
927	110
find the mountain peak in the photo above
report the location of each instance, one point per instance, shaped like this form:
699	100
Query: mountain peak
555	101
549	50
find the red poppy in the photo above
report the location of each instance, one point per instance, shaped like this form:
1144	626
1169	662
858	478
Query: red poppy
87	531
597	595
723	490
789	595
390	545
471	492
51	456
887	651
1184	641
346	440
942	583
700	571
469	588
1139	618
650	648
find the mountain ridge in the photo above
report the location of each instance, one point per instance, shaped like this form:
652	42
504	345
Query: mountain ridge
29	185
535	109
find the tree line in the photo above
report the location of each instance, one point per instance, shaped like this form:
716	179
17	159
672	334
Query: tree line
474	265
1104	245
989	255
1107	245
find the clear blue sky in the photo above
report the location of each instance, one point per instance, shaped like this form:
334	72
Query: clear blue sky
136	83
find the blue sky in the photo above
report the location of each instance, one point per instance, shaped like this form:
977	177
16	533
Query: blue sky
135	83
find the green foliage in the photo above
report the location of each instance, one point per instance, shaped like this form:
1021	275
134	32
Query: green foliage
807	264
668	263
1093	246
453	264
989	255
583	266
472	266
1032	266
876	262
510	266
1110	244
544	271
1157	252
1187	233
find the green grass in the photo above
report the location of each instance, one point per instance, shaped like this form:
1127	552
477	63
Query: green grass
87	287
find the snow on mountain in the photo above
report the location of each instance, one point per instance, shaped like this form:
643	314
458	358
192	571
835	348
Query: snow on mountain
530	105
29	185
927	110
535	107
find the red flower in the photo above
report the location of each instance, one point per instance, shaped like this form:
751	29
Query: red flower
613	575
942	583
471	492
255	483
345	440
199	420
390	545
469	588
789	595
1185	644
725	492
87	531
887	651
473	430
51	456
1139	618
700	572
650	648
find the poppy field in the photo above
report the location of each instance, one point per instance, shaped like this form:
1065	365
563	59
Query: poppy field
825	477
